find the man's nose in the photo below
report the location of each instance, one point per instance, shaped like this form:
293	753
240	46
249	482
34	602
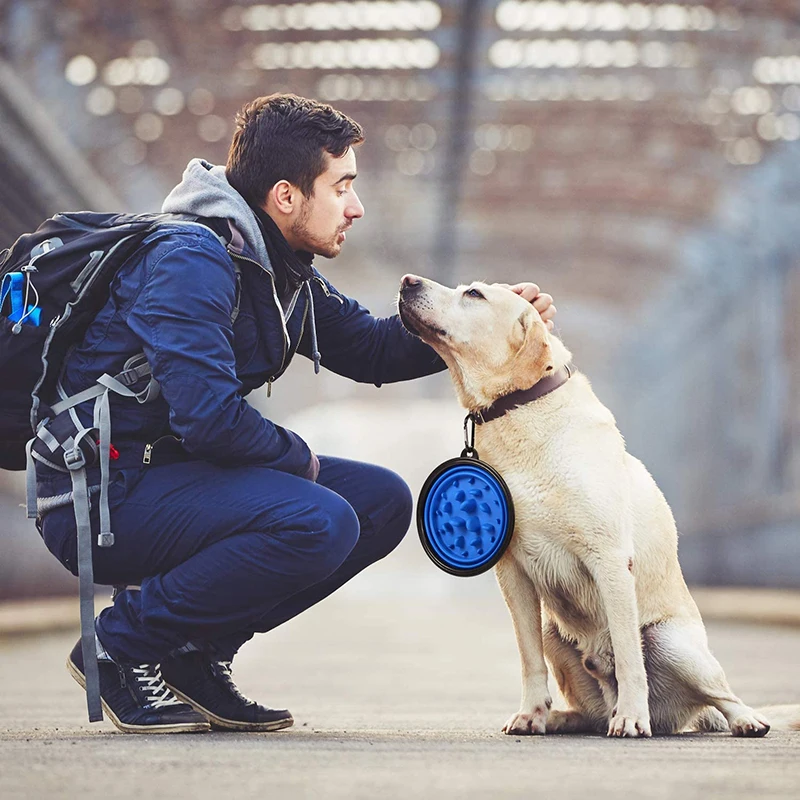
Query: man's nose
355	210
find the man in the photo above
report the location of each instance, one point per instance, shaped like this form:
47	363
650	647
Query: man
230	523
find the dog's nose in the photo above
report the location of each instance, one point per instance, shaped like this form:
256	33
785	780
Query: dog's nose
410	283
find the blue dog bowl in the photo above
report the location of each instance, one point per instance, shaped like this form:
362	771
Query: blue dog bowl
465	516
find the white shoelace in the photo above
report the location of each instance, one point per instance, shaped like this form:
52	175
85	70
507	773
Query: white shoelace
226	669
157	693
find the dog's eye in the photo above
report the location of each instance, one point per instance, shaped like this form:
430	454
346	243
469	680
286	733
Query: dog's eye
474	293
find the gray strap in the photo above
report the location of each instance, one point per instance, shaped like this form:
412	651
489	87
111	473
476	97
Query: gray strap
150	392
102	421
70	443
76	399
112	383
48	463
30	481
133	374
104	382
136	368
80	496
50	441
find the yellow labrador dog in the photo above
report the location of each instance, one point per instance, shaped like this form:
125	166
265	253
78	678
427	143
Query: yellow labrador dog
591	577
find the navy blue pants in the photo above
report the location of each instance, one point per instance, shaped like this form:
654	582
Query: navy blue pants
222	553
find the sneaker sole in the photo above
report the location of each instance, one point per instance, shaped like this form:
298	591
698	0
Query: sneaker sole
220	723
185	727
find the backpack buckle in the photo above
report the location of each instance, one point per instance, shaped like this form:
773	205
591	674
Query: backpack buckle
105	539
74	459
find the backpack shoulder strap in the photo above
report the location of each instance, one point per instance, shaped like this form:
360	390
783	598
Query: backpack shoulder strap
222	230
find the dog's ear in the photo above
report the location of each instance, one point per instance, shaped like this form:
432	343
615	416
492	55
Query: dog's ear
534	357
526	319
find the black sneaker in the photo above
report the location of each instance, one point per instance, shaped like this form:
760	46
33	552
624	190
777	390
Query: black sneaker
136	698
208	687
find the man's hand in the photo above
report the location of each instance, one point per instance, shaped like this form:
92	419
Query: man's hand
312	470
543	303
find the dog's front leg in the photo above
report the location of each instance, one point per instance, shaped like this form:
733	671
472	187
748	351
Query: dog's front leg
613	576
523	602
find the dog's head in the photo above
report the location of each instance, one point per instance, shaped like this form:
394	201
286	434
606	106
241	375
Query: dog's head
493	341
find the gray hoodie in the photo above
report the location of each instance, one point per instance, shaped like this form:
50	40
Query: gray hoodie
204	190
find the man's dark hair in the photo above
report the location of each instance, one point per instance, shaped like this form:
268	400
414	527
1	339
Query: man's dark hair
285	137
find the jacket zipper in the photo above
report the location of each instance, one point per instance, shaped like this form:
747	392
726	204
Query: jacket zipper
293	302
148	448
302	330
303	325
286	339
274	296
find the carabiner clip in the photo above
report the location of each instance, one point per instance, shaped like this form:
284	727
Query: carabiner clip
469	450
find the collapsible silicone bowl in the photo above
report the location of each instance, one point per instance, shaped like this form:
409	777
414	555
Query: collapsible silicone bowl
465	516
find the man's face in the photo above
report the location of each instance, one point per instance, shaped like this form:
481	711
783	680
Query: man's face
324	217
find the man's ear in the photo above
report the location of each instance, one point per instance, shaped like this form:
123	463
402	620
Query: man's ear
282	197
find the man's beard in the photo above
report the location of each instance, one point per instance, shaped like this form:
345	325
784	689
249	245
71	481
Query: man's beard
300	233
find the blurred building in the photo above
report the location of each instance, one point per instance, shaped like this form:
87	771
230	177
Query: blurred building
639	160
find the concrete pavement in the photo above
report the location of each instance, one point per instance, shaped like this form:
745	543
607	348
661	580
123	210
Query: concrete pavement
396	694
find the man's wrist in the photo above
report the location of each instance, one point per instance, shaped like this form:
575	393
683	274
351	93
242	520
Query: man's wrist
312	470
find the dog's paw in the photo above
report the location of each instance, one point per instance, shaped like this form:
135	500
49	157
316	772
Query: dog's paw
630	725
752	725
522	724
571	721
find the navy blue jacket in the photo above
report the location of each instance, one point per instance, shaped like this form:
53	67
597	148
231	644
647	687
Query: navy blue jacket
175	303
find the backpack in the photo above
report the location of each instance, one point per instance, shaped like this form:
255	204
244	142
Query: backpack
54	282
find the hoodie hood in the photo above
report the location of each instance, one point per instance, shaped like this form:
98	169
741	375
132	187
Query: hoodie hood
204	190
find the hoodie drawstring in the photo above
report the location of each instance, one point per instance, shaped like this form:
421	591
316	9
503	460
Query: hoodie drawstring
315	354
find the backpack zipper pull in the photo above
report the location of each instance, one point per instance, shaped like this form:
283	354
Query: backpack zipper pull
269	387
148	453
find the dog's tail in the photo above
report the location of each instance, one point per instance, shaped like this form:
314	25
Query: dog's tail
782	718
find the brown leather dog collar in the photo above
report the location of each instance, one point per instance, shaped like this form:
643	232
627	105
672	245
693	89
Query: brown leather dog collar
511	401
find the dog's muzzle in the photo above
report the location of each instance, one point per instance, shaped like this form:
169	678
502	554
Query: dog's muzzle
411	296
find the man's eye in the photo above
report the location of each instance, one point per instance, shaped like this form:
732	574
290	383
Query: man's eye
473	293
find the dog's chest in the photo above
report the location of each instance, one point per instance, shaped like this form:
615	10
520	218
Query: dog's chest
564	585
546	542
